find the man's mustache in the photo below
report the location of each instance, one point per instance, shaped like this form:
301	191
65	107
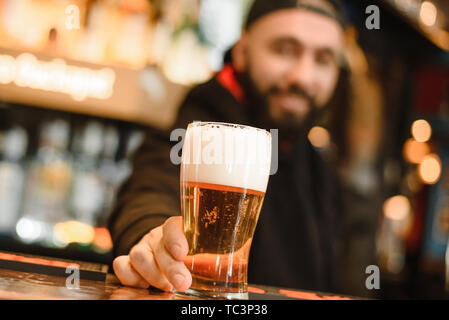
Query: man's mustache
292	90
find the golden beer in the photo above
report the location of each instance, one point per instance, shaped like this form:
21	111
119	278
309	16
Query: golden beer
221	197
219	264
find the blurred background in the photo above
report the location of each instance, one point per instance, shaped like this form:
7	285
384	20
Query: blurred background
80	81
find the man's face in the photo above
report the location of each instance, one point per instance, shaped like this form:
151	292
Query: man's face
292	59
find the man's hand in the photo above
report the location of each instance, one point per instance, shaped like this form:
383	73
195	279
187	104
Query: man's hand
157	259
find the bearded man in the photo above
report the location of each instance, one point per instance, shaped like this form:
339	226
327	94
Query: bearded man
282	73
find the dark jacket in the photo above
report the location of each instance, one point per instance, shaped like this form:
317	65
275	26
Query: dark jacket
297	237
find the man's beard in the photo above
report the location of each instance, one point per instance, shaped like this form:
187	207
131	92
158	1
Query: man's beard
290	126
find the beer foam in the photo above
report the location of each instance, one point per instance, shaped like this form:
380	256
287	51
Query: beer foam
226	154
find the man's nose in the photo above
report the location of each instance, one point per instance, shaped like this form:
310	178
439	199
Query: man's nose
302	73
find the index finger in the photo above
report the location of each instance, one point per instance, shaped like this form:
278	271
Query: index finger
174	239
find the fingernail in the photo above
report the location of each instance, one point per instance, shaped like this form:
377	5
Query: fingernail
178	280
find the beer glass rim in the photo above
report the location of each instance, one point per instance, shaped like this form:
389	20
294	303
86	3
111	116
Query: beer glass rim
226	124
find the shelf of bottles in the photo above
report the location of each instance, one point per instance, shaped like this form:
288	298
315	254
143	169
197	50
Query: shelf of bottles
59	173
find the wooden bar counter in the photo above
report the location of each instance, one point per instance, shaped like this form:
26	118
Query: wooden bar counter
19	285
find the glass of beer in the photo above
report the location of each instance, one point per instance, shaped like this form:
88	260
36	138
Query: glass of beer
224	176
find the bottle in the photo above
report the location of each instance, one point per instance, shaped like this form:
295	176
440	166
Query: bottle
12	176
88	189
109	171
47	190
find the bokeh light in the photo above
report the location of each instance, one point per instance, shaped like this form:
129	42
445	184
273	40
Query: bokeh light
430	169
29	229
397	208
415	151
421	130
73	231
102	239
319	137
428	13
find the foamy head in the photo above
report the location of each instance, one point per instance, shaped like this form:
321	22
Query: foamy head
226	154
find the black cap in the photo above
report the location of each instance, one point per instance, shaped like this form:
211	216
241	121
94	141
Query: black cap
330	8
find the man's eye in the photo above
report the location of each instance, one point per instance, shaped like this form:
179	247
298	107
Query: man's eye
286	50
325	59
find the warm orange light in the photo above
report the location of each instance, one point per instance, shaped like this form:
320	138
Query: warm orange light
415	151
428	13
430	169
396	208
421	130
319	137
442	37
102	239
73	231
